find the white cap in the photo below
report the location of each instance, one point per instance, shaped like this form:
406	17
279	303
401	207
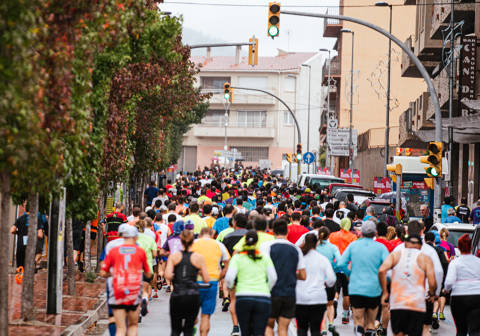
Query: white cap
130	232
122	228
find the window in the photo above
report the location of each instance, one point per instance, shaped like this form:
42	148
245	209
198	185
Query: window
214	82
287	118
290	83
254	83
253	154
252	119
214	118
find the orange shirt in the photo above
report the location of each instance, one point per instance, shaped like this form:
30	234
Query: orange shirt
342	239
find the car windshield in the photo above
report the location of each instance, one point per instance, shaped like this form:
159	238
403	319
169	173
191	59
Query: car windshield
337	187
453	236
323	182
378	208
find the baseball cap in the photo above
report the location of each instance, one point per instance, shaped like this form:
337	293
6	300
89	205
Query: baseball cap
163	208
122	228
189	224
178	227
369	227
214	211
130	232
346	224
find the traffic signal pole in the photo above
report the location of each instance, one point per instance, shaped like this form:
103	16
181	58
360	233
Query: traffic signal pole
418	63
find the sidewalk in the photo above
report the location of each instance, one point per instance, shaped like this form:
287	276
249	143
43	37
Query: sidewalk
89	296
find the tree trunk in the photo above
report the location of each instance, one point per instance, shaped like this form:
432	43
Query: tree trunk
88	263
101	216
71	261
4	237
27	307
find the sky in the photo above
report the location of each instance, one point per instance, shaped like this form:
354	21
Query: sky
239	23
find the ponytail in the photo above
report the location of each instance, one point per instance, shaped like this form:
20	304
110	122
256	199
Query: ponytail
310	243
323	234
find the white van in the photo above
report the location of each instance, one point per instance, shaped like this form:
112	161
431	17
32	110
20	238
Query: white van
322	180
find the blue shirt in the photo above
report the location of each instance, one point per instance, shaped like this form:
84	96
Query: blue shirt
452	219
475	215
445	208
329	251
151	193
366	257
221	224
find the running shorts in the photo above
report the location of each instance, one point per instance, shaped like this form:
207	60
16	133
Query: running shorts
128	308
283	306
342	284
360	301
330	293
145	279
408	322
208	298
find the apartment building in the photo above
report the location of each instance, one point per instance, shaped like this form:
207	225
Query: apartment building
259	127
431	45
370	59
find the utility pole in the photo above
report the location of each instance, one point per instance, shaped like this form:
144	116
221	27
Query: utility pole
450	100
308	113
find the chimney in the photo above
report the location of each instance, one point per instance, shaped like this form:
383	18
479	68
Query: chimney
237	54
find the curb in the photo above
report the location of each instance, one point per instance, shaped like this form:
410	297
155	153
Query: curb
87	320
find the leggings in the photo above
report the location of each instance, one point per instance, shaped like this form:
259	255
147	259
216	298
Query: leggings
466	314
252	313
310	316
183	307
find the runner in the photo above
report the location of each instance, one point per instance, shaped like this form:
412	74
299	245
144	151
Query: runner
290	266
125	263
222	223
214	254
295	229
311	297
198	222
182	269
410	268
247	273
366	256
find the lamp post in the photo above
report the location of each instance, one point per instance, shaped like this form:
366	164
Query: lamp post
308	113
328	105
387	109
350	141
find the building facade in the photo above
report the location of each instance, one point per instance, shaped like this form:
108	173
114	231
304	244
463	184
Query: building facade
259	127
370	59
432	46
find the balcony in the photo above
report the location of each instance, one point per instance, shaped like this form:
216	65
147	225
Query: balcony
464	10
242	97
419	113
335	70
408	67
441	86
235	129
331	27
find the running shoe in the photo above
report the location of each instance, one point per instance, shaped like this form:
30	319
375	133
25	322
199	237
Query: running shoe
345	319
235	331
435	324
226	304
155	295
144	307
332	329
441	316
169	289
381	331
434	316
324	333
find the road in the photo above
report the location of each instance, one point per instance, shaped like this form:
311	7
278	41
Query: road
157	322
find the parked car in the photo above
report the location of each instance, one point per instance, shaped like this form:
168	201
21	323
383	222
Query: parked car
333	187
456	230
378	205
277	172
476	241
359	195
315	179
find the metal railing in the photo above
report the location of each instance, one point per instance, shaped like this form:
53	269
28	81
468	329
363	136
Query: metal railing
236	123
332	11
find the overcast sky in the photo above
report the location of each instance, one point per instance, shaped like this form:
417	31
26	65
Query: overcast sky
238	24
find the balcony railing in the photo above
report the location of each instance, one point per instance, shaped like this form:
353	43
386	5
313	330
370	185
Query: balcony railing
331	27
236	123
464	10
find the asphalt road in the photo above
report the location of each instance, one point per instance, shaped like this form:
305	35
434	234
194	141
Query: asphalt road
157	322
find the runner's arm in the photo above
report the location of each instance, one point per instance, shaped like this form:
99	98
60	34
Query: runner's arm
169	269
388	264
451	276
330	278
429	272
231	274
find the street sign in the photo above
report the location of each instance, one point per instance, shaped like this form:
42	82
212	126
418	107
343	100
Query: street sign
342	150
332	123
340	136
308	157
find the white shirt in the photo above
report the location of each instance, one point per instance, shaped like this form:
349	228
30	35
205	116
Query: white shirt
336	219
162	198
463	275
163	232
149	232
165	217
302	237
437	266
311	291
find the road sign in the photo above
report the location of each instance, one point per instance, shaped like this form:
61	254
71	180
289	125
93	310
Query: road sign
332	123
308	157
342	150
340	136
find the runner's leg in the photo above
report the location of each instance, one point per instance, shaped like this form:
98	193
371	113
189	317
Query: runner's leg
120	316
133	322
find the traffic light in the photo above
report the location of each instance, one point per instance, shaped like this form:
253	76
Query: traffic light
433	159
253	51
273	19
396	169
289	157
299	152
430	182
228	92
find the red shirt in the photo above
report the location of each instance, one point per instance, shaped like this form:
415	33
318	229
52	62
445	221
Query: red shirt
395	242
387	243
126	264
295	231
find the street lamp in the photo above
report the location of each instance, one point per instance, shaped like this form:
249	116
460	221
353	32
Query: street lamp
350	142
328	104
387	109
308	113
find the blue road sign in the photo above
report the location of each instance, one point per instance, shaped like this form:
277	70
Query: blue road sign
308	157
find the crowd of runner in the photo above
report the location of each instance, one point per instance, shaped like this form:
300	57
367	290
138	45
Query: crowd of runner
274	252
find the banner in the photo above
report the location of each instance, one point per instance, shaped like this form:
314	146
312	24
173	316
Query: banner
346	174
324	171
381	185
